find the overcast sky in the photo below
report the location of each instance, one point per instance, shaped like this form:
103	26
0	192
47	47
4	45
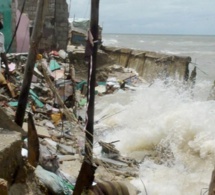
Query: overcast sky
151	16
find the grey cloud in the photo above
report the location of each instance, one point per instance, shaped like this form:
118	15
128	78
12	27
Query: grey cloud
152	16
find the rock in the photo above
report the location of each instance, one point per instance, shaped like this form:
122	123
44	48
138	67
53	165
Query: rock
26	182
48	159
41	130
64	149
7	123
10	153
101	76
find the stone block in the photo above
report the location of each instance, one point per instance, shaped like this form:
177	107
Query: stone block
10	154
7	123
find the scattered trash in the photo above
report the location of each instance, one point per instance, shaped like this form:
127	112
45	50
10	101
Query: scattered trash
53	182
36	99
55	100
54	65
56	117
24	152
63	54
13	104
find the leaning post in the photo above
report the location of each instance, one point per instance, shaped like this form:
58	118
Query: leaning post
86	175
29	68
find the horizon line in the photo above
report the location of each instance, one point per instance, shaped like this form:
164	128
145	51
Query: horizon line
167	34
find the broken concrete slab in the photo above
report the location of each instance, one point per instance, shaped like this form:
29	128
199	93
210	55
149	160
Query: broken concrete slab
10	153
7	123
64	149
41	131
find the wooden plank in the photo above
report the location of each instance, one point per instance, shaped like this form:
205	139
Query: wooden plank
69	115
33	142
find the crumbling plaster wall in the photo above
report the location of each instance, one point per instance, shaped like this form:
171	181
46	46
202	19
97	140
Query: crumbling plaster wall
55	31
151	65
9	19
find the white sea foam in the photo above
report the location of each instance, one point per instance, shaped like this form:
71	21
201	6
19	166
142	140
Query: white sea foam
170	52
170	127
110	42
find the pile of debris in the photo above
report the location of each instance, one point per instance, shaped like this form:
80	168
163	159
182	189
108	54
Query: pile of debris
57	101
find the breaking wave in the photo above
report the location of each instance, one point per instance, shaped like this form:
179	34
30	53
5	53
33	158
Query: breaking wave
169	129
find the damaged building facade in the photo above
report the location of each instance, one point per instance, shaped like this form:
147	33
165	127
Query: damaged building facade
55	31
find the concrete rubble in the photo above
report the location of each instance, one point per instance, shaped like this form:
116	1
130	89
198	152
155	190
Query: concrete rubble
57	100
61	139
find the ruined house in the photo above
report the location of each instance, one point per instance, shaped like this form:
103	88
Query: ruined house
18	17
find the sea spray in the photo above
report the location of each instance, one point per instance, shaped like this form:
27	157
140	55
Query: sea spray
169	129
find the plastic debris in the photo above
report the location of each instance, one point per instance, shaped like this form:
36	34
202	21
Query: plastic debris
53	65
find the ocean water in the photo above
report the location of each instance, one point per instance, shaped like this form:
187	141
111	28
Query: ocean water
168	128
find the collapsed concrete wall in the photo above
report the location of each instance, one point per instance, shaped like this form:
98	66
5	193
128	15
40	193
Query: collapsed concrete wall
151	65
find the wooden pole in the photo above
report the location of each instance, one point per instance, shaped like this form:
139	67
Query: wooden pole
86	175
29	68
70	116
92	79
